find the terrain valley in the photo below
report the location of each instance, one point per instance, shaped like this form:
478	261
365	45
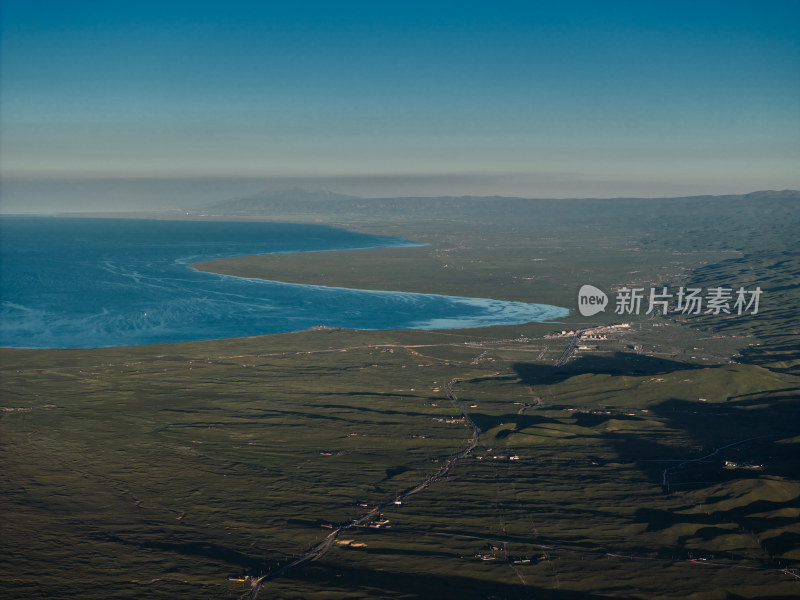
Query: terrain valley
625	454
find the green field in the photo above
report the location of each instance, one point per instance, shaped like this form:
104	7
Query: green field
156	472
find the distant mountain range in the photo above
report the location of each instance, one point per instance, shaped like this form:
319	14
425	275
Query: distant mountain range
302	202
300	196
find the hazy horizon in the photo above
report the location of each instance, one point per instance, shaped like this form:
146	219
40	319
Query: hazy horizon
64	196
130	106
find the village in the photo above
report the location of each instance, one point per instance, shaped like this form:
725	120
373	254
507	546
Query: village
599	333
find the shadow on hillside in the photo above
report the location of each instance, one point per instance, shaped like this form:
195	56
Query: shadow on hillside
619	363
759	433
485	422
747	446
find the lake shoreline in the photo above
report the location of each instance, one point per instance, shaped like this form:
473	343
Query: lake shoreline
133	283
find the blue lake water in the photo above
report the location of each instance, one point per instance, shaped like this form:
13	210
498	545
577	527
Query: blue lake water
87	283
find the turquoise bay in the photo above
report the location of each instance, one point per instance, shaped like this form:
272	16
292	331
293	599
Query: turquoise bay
86	283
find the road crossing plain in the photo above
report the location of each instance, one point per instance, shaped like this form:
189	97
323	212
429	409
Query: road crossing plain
160	471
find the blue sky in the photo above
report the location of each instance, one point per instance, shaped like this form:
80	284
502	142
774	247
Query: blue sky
531	98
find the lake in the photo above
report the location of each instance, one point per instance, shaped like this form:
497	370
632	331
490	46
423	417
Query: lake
88	283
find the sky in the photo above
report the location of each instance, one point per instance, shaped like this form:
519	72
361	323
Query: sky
176	101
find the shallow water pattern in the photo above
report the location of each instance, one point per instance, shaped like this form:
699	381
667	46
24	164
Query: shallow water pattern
86	283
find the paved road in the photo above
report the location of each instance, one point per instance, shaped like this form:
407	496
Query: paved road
317	551
570	349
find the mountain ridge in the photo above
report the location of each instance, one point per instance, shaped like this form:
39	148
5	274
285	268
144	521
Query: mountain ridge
298	197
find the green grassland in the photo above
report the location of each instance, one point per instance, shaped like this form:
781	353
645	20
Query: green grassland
156	472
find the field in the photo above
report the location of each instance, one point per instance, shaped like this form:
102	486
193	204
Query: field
659	462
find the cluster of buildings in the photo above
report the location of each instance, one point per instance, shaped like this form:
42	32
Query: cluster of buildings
601	332
498	457
730	464
381	521
605	412
520	561
449	419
